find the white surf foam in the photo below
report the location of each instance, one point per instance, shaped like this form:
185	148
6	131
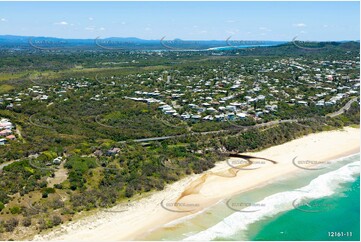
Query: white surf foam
322	186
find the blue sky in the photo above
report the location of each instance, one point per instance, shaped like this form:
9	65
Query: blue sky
185	20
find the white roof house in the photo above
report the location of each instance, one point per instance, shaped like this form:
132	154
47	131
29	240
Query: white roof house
241	115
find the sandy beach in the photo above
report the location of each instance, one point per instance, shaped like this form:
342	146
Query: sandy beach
197	192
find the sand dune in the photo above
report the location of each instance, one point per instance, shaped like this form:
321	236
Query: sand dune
197	192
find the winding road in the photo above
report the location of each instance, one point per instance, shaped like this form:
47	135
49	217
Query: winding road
343	109
244	128
268	124
271	123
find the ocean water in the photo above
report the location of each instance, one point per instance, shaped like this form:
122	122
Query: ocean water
340	223
311	205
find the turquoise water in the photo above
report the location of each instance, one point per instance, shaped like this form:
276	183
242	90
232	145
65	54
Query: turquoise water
302	206
344	217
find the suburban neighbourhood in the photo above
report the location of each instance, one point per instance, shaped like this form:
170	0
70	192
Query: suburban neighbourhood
229	95
6	131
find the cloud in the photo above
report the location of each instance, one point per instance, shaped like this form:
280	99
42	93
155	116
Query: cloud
90	28
265	29
325	26
62	23
231	21
232	31
91	19
3	20
300	25
94	28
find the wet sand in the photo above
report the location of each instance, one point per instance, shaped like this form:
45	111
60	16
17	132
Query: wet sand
197	192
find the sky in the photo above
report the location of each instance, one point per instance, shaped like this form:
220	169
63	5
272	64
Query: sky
316	21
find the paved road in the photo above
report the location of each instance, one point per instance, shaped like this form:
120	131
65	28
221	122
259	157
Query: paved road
268	124
343	109
2	165
271	123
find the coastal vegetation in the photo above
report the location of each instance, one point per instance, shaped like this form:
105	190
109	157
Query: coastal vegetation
90	146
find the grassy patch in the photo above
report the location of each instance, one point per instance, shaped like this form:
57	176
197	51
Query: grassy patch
5	88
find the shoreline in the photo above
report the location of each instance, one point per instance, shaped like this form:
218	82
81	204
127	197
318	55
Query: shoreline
196	193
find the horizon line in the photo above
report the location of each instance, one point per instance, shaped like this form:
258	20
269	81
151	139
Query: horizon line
176	38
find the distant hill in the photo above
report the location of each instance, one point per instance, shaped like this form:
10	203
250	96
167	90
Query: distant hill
298	49
11	41
133	43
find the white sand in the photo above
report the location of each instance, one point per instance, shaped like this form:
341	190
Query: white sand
206	189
